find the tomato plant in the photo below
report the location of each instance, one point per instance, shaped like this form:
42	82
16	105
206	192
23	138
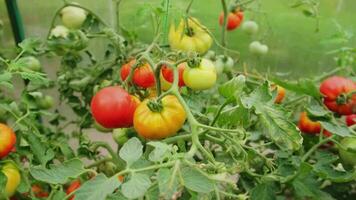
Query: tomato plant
190	117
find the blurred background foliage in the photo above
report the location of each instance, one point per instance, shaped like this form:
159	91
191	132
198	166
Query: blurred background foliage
296	48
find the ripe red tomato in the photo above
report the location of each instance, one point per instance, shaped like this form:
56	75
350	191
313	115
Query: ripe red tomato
234	20
143	75
113	107
350	119
306	125
72	187
168	76
335	89
39	192
7	140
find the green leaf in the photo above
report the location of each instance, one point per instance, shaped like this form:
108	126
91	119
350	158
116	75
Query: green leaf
131	151
196	181
161	151
58	174
97	188
117	196
167	182
137	186
264	191
315	109
40	149
30	45
3	181
273	118
336	128
233	87
325	170
59	195
5	79
302	86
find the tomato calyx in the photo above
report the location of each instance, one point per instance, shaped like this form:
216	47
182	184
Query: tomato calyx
189	31
155	105
194	62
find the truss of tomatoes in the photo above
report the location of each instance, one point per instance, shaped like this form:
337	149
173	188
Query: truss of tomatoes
114	107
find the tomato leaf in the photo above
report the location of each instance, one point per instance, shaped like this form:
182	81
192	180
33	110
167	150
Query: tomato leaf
97	188
325	170
59	195
231	89
302	86
5	79
58	174
161	151
30	45
167	182
131	151
273	119
40	149
196	181
336	128
137	186
264	191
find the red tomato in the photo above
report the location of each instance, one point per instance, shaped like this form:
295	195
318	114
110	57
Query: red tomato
168	74
350	119
73	187
306	125
7	140
333	89
39	192
234	20
143	75
113	107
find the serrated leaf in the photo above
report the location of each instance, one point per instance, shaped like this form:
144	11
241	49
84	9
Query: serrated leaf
317	110
196	181
40	149
30	45
325	170
131	151
264	191
137	186
58	174
233	87
336	128
97	188
273	118
302	86
161	151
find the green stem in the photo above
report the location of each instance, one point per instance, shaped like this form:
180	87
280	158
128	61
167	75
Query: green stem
96	163
217	115
325	75
224	26
115	158
316	146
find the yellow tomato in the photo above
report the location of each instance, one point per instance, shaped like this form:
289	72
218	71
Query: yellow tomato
13	178
191	37
200	77
157	120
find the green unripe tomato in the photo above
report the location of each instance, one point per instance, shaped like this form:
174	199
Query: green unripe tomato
250	27
59	32
120	135
31	63
45	102
348	157
210	55
258	49
100	128
73	17
224	63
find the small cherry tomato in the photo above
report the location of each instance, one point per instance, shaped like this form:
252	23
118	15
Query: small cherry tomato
338	96
113	107
281	93
7	140
200	77
258	49
223	63
346	156
39	192
158	120
13	178
250	27
30	63
306	125
73	187
143	75
234	20
73	17
167	76
350	119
